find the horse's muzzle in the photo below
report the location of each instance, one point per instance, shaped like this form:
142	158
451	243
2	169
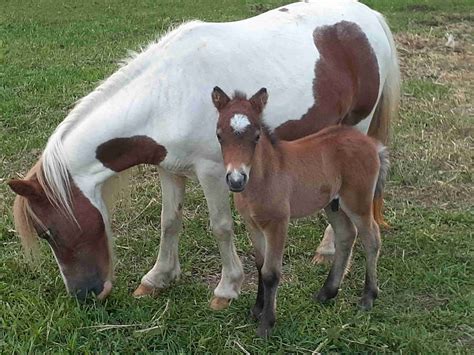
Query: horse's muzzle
100	289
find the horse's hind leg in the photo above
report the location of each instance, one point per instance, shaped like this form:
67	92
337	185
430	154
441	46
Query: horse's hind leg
345	234
217	196
325	251
166	268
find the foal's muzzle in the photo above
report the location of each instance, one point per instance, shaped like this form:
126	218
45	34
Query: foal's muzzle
236	180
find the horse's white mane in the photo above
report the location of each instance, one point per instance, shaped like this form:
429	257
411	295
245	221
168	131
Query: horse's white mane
54	162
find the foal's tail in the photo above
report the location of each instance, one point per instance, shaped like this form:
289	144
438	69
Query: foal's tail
383	170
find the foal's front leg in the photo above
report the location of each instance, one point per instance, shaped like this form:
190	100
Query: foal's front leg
258	242
275	236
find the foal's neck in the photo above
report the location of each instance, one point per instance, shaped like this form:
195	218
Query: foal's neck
267	157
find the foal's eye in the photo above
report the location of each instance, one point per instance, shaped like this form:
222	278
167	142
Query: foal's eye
257	137
219	138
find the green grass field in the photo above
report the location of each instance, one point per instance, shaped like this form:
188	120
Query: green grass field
52	53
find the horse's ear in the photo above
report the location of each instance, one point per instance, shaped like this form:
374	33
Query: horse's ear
259	100
30	189
219	98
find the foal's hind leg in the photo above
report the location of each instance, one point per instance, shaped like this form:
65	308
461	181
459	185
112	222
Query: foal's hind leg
359	209
369	233
345	234
166	268
211	178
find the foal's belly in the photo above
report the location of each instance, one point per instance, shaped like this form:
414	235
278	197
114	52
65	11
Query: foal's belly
307	202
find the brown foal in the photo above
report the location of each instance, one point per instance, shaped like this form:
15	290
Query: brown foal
338	169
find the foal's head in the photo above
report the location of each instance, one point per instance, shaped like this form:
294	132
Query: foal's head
238	132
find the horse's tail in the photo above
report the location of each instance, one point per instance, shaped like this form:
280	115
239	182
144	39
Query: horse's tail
387	108
383	170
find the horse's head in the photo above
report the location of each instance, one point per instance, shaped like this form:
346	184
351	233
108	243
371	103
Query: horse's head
238	132
79	241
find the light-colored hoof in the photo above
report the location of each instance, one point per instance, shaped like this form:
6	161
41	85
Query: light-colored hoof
143	291
219	303
322	258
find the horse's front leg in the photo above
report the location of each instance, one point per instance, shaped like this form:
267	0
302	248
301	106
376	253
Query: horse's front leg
217	197
275	236
166	268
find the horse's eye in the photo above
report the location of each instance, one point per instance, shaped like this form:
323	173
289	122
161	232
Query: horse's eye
257	137
46	234
219	138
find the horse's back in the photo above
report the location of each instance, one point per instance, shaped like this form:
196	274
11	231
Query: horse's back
280	50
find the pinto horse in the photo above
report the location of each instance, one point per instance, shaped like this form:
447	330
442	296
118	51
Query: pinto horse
325	62
277	180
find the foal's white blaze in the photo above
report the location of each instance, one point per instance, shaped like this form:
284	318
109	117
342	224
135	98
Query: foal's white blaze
236	172
239	123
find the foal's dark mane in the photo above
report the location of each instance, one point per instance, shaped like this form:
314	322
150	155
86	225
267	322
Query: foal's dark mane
272	137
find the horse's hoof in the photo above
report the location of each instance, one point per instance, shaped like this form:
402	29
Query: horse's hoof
322	258
219	303
143	291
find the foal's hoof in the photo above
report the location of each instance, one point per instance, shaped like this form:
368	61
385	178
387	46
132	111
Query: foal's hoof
264	331
256	312
366	303
324	296
319	258
219	303
144	290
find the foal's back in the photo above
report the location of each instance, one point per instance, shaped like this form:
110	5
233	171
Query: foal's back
340	148
337	161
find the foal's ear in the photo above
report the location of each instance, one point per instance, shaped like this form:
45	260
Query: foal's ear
219	98
30	189
259	100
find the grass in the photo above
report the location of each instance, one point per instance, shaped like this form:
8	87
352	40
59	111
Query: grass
53	53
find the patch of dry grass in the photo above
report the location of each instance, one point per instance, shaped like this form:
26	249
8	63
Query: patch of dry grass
433	141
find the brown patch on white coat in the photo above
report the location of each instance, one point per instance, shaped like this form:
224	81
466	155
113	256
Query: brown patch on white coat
345	89
296	179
